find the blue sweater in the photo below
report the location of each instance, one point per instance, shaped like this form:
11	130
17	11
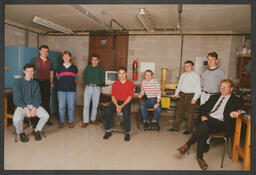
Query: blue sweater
26	93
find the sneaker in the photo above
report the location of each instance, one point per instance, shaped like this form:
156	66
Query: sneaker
70	125
186	132
61	125
36	135
172	130
146	126
23	137
107	135
127	137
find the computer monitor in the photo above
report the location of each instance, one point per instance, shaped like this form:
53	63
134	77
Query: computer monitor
110	77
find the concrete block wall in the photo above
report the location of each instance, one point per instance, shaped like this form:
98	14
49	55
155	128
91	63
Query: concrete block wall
80	52
164	51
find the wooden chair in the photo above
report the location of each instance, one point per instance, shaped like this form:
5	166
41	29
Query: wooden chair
149	118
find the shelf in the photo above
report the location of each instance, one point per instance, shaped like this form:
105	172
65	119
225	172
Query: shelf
244	55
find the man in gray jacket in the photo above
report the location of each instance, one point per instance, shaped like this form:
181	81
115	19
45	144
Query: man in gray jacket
27	98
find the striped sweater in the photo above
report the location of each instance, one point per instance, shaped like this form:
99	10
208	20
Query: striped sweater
67	78
151	89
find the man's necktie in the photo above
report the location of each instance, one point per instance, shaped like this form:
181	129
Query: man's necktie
218	105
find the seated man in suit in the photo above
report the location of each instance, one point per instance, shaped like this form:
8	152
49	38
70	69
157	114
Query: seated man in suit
27	98
121	95
217	115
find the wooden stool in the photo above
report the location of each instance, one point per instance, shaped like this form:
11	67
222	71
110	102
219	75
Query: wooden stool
151	127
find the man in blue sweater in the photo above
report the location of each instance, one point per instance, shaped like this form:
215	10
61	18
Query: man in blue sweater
27	98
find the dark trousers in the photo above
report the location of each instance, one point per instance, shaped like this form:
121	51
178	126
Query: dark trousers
126	114
184	106
201	133
45	88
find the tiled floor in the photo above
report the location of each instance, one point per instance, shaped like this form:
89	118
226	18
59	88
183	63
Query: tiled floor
84	149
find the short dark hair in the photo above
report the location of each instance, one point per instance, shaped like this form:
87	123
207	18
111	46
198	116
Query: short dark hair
213	54
43	47
95	55
29	66
122	68
189	62
148	70
227	80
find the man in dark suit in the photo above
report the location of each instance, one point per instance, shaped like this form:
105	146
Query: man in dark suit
217	115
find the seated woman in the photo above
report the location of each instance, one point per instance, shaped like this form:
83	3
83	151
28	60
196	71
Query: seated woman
152	89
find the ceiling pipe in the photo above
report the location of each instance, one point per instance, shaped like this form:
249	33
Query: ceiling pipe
113	20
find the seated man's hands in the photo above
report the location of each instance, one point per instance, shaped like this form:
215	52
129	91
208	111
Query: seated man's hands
119	108
156	105
235	114
193	101
28	112
204	118
33	112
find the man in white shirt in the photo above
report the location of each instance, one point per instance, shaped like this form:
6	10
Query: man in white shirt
188	90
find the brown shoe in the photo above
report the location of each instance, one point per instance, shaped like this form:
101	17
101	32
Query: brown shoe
61	125
84	125
203	165
183	149
94	123
71	125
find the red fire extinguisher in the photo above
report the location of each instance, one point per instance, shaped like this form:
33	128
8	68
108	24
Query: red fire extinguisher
135	70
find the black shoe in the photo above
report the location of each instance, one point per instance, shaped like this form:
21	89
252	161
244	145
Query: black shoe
172	130
186	132
155	125
107	135
146	126
206	148
23	137
127	137
49	123
36	135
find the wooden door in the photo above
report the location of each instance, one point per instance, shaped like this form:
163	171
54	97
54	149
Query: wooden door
112	48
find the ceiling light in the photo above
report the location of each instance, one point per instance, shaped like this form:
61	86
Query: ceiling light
91	16
51	25
144	19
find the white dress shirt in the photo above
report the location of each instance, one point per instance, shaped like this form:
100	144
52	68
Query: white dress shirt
189	82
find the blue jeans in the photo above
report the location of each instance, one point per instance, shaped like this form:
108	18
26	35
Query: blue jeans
91	92
149	103
63	98
126	114
20	113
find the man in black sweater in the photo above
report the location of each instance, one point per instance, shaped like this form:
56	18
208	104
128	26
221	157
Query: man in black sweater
27	98
217	115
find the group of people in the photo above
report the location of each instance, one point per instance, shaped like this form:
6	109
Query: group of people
218	106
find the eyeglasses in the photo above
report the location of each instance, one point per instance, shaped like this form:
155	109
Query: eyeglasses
225	87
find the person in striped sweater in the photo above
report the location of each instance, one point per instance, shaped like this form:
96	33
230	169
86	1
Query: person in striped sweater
67	76
151	88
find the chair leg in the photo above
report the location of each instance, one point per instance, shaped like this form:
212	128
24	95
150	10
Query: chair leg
229	148
223	155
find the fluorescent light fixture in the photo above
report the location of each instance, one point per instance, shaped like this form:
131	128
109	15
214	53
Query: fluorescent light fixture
51	25
144	19
91	16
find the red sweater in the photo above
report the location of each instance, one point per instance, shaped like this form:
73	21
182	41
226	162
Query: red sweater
122	91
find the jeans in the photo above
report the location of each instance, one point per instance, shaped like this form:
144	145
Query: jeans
91	92
20	113
63	98
126	114
149	103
